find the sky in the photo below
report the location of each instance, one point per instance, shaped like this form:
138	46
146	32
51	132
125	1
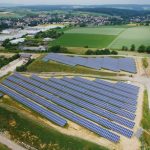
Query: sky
75	2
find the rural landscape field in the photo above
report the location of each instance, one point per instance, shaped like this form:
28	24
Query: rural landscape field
102	37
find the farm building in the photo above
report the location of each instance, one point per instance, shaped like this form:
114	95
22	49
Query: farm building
28	48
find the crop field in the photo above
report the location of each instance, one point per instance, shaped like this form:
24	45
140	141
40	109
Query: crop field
82	40
105	37
101	31
136	35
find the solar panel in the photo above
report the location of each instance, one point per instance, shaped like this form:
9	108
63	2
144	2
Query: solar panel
92	95
107	87
78	98
128	86
86	105
93	127
100	91
115	88
84	97
113	64
47	114
72	107
71	92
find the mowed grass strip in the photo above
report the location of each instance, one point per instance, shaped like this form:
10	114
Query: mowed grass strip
136	35
146	121
82	40
51	66
100	31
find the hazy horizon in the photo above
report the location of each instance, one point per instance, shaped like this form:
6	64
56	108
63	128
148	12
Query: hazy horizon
74	2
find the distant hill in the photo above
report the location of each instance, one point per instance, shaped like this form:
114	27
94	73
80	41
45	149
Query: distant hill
9	5
127	6
53	7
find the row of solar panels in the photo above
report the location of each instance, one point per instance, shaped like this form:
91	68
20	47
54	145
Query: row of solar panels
44	112
77	93
81	121
111	87
85	93
120	64
44	89
93	127
75	109
82	103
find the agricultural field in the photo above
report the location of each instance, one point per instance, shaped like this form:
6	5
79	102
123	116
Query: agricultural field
82	40
136	35
105	37
102	30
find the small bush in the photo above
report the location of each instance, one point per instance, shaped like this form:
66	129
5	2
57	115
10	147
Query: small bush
24	67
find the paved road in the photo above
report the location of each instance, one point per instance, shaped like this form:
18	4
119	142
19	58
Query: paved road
10	144
11	67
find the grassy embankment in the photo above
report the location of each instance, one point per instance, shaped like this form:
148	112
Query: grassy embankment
40	66
145	62
35	134
146	122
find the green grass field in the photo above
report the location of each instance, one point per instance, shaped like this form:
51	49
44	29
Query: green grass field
146	121
100	31
136	35
82	40
113	37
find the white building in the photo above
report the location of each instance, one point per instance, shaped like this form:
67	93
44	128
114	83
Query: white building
16	41
28	48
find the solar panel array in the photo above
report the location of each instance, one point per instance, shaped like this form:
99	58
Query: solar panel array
107	113
108	63
49	115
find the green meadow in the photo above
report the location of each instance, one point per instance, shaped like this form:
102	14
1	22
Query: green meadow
136	35
82	40
104	30
113	37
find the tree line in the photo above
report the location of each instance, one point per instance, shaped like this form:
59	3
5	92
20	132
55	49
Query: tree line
24	67
140	49
101	52
49	34
4	61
